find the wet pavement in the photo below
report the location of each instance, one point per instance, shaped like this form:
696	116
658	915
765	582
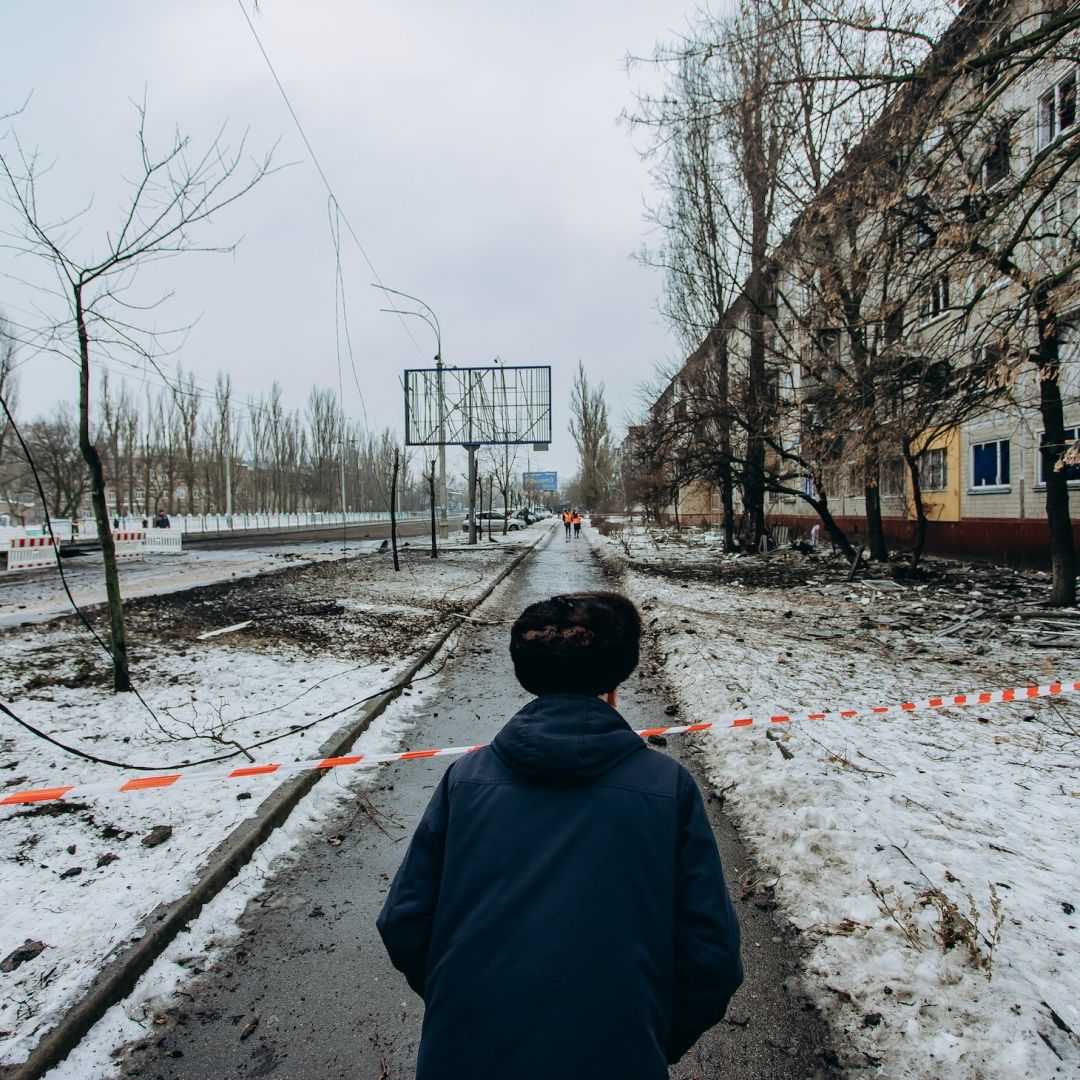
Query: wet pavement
308	991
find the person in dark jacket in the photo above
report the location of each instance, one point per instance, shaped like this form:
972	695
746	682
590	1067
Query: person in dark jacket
561	908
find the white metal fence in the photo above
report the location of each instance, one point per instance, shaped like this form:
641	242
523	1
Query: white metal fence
215	523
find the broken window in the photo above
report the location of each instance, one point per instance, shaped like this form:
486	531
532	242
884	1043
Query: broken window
1058	232
990	464
892	478
934	470
996	67
1072	471
1057	109
935	298
995	167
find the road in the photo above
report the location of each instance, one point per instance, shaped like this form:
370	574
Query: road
366	530
308	990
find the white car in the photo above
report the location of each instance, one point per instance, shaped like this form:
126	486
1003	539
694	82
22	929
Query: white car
495	518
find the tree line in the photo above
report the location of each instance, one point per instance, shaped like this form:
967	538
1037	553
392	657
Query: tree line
179	450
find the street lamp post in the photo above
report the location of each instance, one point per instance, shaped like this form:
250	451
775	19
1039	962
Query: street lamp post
433	322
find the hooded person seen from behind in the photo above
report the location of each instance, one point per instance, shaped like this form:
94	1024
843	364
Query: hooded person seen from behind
561	908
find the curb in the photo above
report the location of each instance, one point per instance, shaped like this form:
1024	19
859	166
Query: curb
117	979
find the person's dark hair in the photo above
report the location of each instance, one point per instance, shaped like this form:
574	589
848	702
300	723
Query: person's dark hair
577	643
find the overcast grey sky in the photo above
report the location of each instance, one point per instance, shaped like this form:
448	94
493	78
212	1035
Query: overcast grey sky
473	145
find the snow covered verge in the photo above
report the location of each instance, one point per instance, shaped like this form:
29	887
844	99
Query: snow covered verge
927	858
308	647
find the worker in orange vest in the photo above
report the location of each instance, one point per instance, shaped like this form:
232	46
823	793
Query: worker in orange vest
575	518
567	518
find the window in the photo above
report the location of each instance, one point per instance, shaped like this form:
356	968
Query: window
1072	472
994	69
892	478
1057	109
1058	233
990	464
934	470
935	299
995	166
829	347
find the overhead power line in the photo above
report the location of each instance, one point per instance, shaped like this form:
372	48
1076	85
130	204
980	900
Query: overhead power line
318	166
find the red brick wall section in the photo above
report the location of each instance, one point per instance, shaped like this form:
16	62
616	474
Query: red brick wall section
1007	540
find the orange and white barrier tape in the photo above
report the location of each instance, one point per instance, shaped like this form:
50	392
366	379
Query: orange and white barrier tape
144	783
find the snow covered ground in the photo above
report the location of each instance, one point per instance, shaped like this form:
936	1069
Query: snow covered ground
39	595
80	878
929	858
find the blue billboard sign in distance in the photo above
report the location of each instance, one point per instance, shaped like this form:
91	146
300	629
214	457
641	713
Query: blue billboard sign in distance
540	481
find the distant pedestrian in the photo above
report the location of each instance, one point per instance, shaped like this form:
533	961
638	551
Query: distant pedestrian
561	908
566	520
575	519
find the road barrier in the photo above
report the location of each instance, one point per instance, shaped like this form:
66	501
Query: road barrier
164	542
165	780
30	552
62	529
129	545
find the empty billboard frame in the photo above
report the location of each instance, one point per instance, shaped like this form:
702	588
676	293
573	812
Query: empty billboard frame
480	405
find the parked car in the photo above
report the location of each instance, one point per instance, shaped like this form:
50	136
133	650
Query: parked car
495	517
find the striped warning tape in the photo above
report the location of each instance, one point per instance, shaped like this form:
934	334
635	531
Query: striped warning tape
144	783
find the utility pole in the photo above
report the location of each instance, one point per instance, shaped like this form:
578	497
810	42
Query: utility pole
444	524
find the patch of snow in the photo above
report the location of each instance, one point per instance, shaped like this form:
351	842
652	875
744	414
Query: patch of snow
78	876
964	822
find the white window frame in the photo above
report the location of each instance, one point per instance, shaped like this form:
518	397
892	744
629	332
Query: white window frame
1071	434
1050	109
1059	221
934	299
998	485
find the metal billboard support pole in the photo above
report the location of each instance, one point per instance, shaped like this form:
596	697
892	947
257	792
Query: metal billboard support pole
472	492
444	523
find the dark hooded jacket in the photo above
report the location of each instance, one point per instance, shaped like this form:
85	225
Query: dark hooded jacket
561	908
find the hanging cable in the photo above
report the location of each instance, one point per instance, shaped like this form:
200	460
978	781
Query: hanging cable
316	163
98	760
56	551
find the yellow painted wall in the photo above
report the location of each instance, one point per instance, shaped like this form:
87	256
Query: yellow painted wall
944	505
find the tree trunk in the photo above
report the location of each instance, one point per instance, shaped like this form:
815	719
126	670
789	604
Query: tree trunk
431	493
1058	520
921	521
117	635
727	501
836	534
875	528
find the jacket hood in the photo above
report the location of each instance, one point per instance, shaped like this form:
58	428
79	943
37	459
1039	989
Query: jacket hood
565	739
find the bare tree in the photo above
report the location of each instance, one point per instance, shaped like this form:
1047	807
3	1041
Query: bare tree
53	444
9	388
326	426
592	436
173	193
501	461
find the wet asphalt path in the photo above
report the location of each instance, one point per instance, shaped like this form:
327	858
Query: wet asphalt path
310	965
